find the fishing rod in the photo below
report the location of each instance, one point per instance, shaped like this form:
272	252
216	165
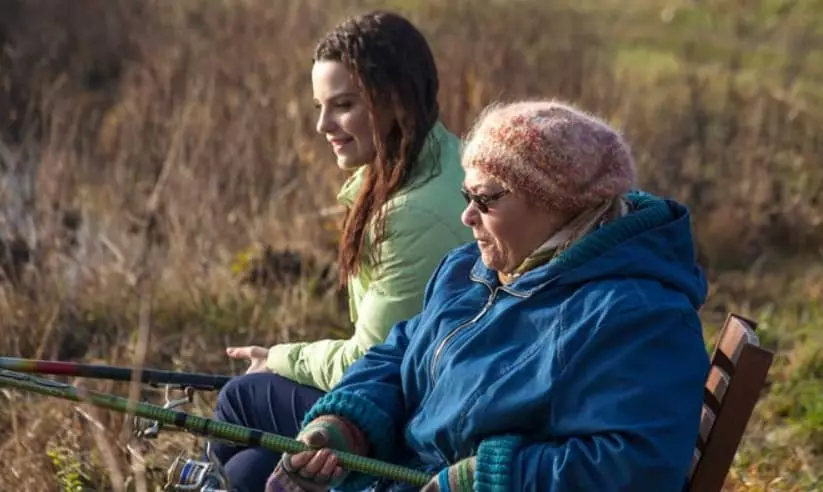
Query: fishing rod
189	382
152	377
207	427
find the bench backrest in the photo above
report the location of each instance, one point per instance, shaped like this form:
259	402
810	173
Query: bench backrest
739	367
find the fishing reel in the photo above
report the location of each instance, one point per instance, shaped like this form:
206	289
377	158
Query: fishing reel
186	474
148	428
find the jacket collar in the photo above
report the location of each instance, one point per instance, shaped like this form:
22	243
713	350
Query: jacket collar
648	211
526	285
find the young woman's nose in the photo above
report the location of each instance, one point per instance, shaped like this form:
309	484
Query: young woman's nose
324	122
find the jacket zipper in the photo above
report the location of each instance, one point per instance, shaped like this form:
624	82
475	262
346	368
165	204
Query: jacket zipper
439	351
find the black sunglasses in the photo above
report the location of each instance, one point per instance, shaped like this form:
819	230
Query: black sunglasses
481	200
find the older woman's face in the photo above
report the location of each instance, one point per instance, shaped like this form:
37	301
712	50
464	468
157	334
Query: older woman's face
510	229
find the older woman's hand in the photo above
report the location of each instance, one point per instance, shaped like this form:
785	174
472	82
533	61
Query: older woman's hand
457	478
310	471
318	470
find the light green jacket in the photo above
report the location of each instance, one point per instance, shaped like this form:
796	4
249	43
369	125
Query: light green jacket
423	224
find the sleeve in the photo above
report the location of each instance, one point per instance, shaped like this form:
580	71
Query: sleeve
415	242
370	395
629	413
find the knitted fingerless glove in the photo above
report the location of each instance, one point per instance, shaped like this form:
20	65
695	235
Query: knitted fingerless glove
340	434
457	478
327	431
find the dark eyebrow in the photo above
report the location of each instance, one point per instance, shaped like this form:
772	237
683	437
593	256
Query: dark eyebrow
337	97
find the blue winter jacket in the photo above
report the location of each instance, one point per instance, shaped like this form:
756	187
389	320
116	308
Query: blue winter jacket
585	374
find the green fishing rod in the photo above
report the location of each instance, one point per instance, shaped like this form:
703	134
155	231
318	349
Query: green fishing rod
152	377
207	427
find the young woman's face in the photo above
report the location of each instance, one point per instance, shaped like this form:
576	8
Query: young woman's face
344	116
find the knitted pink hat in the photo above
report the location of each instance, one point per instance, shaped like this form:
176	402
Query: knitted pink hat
555	156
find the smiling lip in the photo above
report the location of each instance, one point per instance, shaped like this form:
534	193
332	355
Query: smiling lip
339	142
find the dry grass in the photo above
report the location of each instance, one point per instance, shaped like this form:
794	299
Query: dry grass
151	146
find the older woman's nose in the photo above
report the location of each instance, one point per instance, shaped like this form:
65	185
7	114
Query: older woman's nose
470	215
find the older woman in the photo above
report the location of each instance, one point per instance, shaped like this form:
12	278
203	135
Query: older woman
560	351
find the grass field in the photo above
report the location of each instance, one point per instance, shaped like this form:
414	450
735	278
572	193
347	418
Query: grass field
152	150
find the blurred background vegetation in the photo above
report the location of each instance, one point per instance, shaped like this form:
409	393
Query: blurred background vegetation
162	187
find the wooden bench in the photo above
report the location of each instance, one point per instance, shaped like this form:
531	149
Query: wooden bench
738	374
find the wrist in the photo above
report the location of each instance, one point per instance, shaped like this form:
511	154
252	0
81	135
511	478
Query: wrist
458	478
277	360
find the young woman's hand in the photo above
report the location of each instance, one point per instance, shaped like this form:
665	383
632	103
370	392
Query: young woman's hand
256	355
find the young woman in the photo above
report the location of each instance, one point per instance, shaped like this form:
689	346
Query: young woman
375	87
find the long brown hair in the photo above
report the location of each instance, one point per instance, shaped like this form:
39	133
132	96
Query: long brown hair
393	66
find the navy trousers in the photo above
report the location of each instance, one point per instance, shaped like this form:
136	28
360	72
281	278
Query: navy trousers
263	401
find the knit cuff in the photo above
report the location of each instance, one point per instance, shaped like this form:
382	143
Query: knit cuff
375	424
457	478
495	457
